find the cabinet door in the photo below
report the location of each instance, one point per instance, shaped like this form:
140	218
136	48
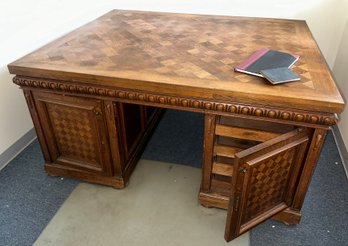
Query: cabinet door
265	181
75	131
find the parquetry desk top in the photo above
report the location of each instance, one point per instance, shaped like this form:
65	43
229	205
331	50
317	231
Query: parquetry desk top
191	55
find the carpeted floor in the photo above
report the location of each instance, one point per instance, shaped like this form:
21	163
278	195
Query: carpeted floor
29	198
158	208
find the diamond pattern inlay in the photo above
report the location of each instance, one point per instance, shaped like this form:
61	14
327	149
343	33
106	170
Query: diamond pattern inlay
200	47
182	50
73	132
268	183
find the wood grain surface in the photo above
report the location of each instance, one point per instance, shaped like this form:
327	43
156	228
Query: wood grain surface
189	55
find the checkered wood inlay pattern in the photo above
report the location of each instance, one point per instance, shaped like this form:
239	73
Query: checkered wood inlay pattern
269	179
74	133
195	55
198	47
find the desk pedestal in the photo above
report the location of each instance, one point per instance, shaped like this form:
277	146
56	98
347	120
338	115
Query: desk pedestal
95	140
257	169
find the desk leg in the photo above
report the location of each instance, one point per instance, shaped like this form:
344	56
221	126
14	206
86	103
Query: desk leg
208	148
292	215
209	133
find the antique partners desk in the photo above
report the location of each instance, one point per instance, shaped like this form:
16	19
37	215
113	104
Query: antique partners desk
95	94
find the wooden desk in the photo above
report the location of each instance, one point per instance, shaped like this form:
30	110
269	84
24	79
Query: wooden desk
91	95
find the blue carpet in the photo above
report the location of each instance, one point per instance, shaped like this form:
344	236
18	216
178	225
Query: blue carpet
178	139
29	198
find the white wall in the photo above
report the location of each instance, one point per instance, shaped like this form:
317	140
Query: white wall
341	74
26	25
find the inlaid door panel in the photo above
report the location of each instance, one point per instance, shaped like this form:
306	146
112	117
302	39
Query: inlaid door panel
265	180
75	131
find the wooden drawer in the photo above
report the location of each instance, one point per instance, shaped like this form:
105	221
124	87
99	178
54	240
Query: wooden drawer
233	135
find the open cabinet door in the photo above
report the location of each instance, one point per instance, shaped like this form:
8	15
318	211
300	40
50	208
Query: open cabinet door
265	180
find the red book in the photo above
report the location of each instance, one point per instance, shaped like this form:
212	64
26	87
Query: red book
266	59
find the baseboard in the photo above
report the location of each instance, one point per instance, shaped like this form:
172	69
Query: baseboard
16	148
342	149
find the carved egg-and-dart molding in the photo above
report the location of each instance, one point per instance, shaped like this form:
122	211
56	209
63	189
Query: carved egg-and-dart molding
163	99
